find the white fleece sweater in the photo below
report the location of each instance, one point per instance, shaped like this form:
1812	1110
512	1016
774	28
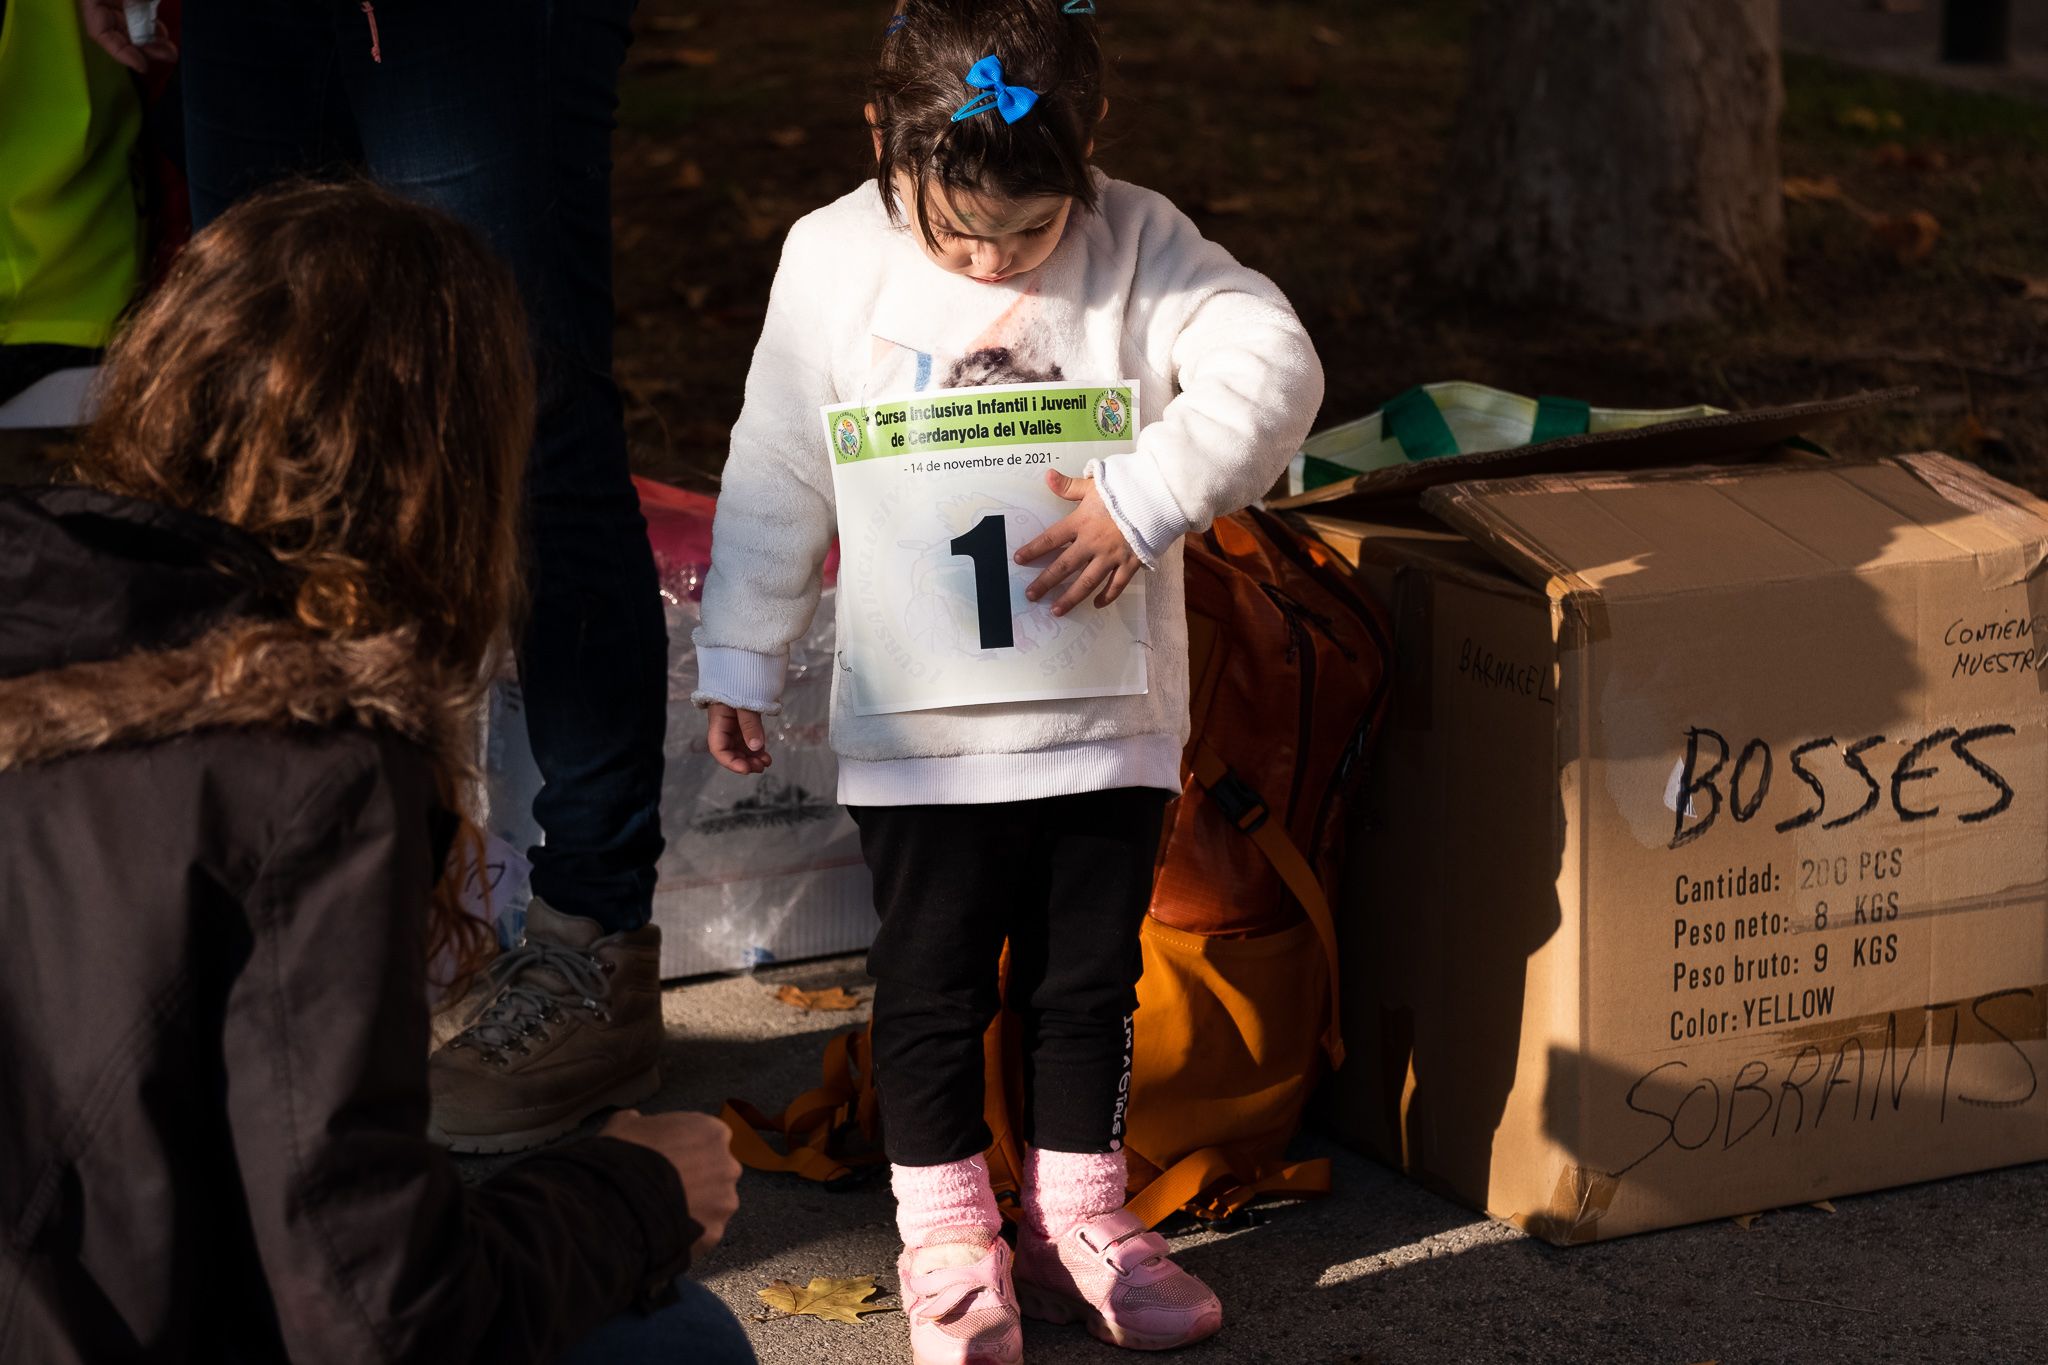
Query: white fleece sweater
1228	387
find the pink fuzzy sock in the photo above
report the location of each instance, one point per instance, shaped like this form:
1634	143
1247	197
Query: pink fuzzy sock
1062	1189
935	1199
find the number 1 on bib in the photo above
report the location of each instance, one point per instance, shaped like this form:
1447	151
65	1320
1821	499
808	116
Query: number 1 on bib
936	495
987	547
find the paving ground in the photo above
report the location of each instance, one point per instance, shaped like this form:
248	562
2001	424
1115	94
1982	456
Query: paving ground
1384	1272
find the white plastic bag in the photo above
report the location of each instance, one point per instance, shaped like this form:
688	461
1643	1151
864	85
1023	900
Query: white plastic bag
757	869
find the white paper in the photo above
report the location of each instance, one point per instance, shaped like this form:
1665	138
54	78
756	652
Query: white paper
933	610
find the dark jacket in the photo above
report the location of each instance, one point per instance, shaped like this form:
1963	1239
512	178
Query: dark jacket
214	867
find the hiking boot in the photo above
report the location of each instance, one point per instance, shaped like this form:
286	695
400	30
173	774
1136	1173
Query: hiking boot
958	1297
573	1025
1113	1274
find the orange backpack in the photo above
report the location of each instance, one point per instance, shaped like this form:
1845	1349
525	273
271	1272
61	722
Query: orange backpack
1288	664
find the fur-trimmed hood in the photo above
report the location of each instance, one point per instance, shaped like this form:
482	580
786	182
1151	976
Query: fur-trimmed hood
214	989
125	623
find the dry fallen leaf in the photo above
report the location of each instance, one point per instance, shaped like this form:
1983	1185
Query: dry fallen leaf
787	138
831	998
1972	436
677	56
1802	189
1327	36
834	1300
1745	1221
1910	237
689	176
1229	205
642	389
1824	1205
1867	120
758	220
1898	156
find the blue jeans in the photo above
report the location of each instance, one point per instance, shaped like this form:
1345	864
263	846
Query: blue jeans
499	112
697	1329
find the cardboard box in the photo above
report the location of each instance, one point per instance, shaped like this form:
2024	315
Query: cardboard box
1703	866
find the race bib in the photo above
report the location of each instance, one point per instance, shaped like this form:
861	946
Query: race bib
937	493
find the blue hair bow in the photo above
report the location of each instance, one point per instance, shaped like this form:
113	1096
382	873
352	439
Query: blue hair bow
1078	7
1011	101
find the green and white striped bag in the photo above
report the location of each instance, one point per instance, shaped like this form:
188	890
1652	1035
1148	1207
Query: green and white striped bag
1458	418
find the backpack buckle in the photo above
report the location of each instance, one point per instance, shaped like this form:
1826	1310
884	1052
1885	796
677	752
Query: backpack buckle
1240	805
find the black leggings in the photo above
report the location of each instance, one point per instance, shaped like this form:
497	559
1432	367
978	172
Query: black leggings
1066	881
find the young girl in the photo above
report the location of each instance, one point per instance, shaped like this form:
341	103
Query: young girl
988	250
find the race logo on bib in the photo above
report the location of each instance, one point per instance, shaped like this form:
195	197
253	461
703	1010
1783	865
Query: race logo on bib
846	436
1112	415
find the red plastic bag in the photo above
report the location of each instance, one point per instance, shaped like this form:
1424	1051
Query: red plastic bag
679	529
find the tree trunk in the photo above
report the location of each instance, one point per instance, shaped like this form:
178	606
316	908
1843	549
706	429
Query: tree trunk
1619	157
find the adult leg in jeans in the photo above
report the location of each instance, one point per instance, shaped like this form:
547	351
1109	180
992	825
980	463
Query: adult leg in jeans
697	1328
499	111
263	98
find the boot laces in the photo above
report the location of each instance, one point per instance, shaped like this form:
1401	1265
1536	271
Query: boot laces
525	1002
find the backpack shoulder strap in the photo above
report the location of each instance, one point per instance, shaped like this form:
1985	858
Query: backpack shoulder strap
1207	1183
1248	811
812	1127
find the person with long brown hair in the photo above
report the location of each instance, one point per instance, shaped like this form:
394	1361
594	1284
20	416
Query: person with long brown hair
499	113
239	667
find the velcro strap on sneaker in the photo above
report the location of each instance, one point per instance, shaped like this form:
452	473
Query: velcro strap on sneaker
941	1303
945	1289
1133	1250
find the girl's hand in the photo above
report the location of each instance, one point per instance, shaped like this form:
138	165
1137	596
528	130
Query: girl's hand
1093	552
737	740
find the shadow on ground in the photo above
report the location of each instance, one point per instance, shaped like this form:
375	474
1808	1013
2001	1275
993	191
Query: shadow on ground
1385	1272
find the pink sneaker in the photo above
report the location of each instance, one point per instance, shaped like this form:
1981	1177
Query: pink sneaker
1113	1274
963	1313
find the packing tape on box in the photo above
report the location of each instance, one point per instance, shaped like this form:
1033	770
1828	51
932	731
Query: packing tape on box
2019	1015
1966	487
1574	1212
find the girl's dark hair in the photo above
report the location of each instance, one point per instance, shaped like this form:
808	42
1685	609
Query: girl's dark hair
920	82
